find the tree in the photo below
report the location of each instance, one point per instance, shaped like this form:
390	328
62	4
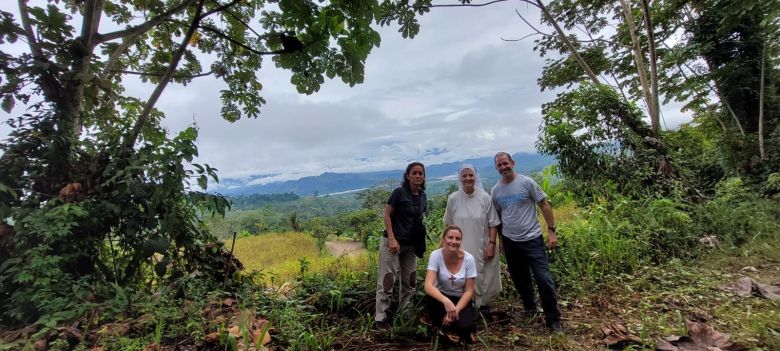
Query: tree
91	186
687	51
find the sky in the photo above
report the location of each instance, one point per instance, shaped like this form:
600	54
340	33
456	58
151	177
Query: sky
455	91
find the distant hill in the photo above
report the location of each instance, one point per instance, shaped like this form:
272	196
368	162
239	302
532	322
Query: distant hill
438	177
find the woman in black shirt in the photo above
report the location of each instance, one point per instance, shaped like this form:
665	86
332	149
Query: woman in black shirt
403	242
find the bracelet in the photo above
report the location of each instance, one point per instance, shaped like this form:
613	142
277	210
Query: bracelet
492	242
551	228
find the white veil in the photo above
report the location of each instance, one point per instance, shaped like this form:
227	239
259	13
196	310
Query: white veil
477	180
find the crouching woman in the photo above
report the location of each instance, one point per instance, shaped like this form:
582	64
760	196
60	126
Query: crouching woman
449	285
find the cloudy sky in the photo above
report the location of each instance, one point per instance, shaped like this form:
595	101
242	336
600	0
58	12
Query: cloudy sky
455	91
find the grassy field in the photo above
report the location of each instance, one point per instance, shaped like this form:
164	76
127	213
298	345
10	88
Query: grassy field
279	257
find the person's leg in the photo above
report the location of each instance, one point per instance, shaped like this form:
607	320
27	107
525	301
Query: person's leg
518	266
540	266
408	276
435	311
385	281
465	326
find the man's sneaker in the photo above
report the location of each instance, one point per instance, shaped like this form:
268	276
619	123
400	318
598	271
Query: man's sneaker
555	327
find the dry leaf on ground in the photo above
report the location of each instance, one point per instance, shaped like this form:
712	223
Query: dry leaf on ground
12	335
616	336
746	286
701	337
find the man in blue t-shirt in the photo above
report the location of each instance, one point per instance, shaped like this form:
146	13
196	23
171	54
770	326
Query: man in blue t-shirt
515	197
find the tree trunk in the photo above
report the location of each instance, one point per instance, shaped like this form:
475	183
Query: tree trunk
640	67
761	150
653	62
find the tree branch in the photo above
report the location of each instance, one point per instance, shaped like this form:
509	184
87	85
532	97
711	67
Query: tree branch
163	74
244	23
530	25
166	78
640	67
35	48
653	60
93	9
524	37
143	27
713	89
219	9
584	65
228	38
458	5
114	58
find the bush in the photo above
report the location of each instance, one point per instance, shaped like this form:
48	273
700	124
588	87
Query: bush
596	244
738	214
619	236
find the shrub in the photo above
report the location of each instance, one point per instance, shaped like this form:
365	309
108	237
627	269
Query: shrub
738	214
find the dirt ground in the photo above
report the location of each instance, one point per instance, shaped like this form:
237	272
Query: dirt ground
350	248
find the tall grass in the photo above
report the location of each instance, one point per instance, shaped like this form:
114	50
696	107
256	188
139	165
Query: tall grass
281	257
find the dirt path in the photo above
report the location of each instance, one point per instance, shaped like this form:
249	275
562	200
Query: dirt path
338	248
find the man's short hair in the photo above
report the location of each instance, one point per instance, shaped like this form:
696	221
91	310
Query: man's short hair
502	153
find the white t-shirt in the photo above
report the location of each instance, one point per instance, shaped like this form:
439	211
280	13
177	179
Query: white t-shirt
448	283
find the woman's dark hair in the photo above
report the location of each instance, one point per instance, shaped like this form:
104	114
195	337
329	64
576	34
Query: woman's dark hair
409	167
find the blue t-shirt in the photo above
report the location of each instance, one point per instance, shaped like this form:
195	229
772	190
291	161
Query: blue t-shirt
516	205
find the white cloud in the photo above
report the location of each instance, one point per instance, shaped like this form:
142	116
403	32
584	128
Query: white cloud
455	91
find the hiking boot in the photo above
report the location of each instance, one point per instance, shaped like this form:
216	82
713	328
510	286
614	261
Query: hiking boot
555	327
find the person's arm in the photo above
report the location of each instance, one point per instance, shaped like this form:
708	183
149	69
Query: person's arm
391	242
547	213
468	293
448	212
433	292
490	251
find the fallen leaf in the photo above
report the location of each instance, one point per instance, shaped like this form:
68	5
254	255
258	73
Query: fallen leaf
11	335
40	345
746	286
261	332
235	331
701	337
616	336
211	338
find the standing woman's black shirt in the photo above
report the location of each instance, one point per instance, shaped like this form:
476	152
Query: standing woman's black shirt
406	218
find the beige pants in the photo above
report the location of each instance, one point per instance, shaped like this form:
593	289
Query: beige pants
389	266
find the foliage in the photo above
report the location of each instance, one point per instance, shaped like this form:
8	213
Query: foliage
738	214
553	186
374	198
133	216
702	50
92	189
362	223
252	201
601	141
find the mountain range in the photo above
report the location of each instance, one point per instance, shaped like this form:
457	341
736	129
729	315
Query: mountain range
438	176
